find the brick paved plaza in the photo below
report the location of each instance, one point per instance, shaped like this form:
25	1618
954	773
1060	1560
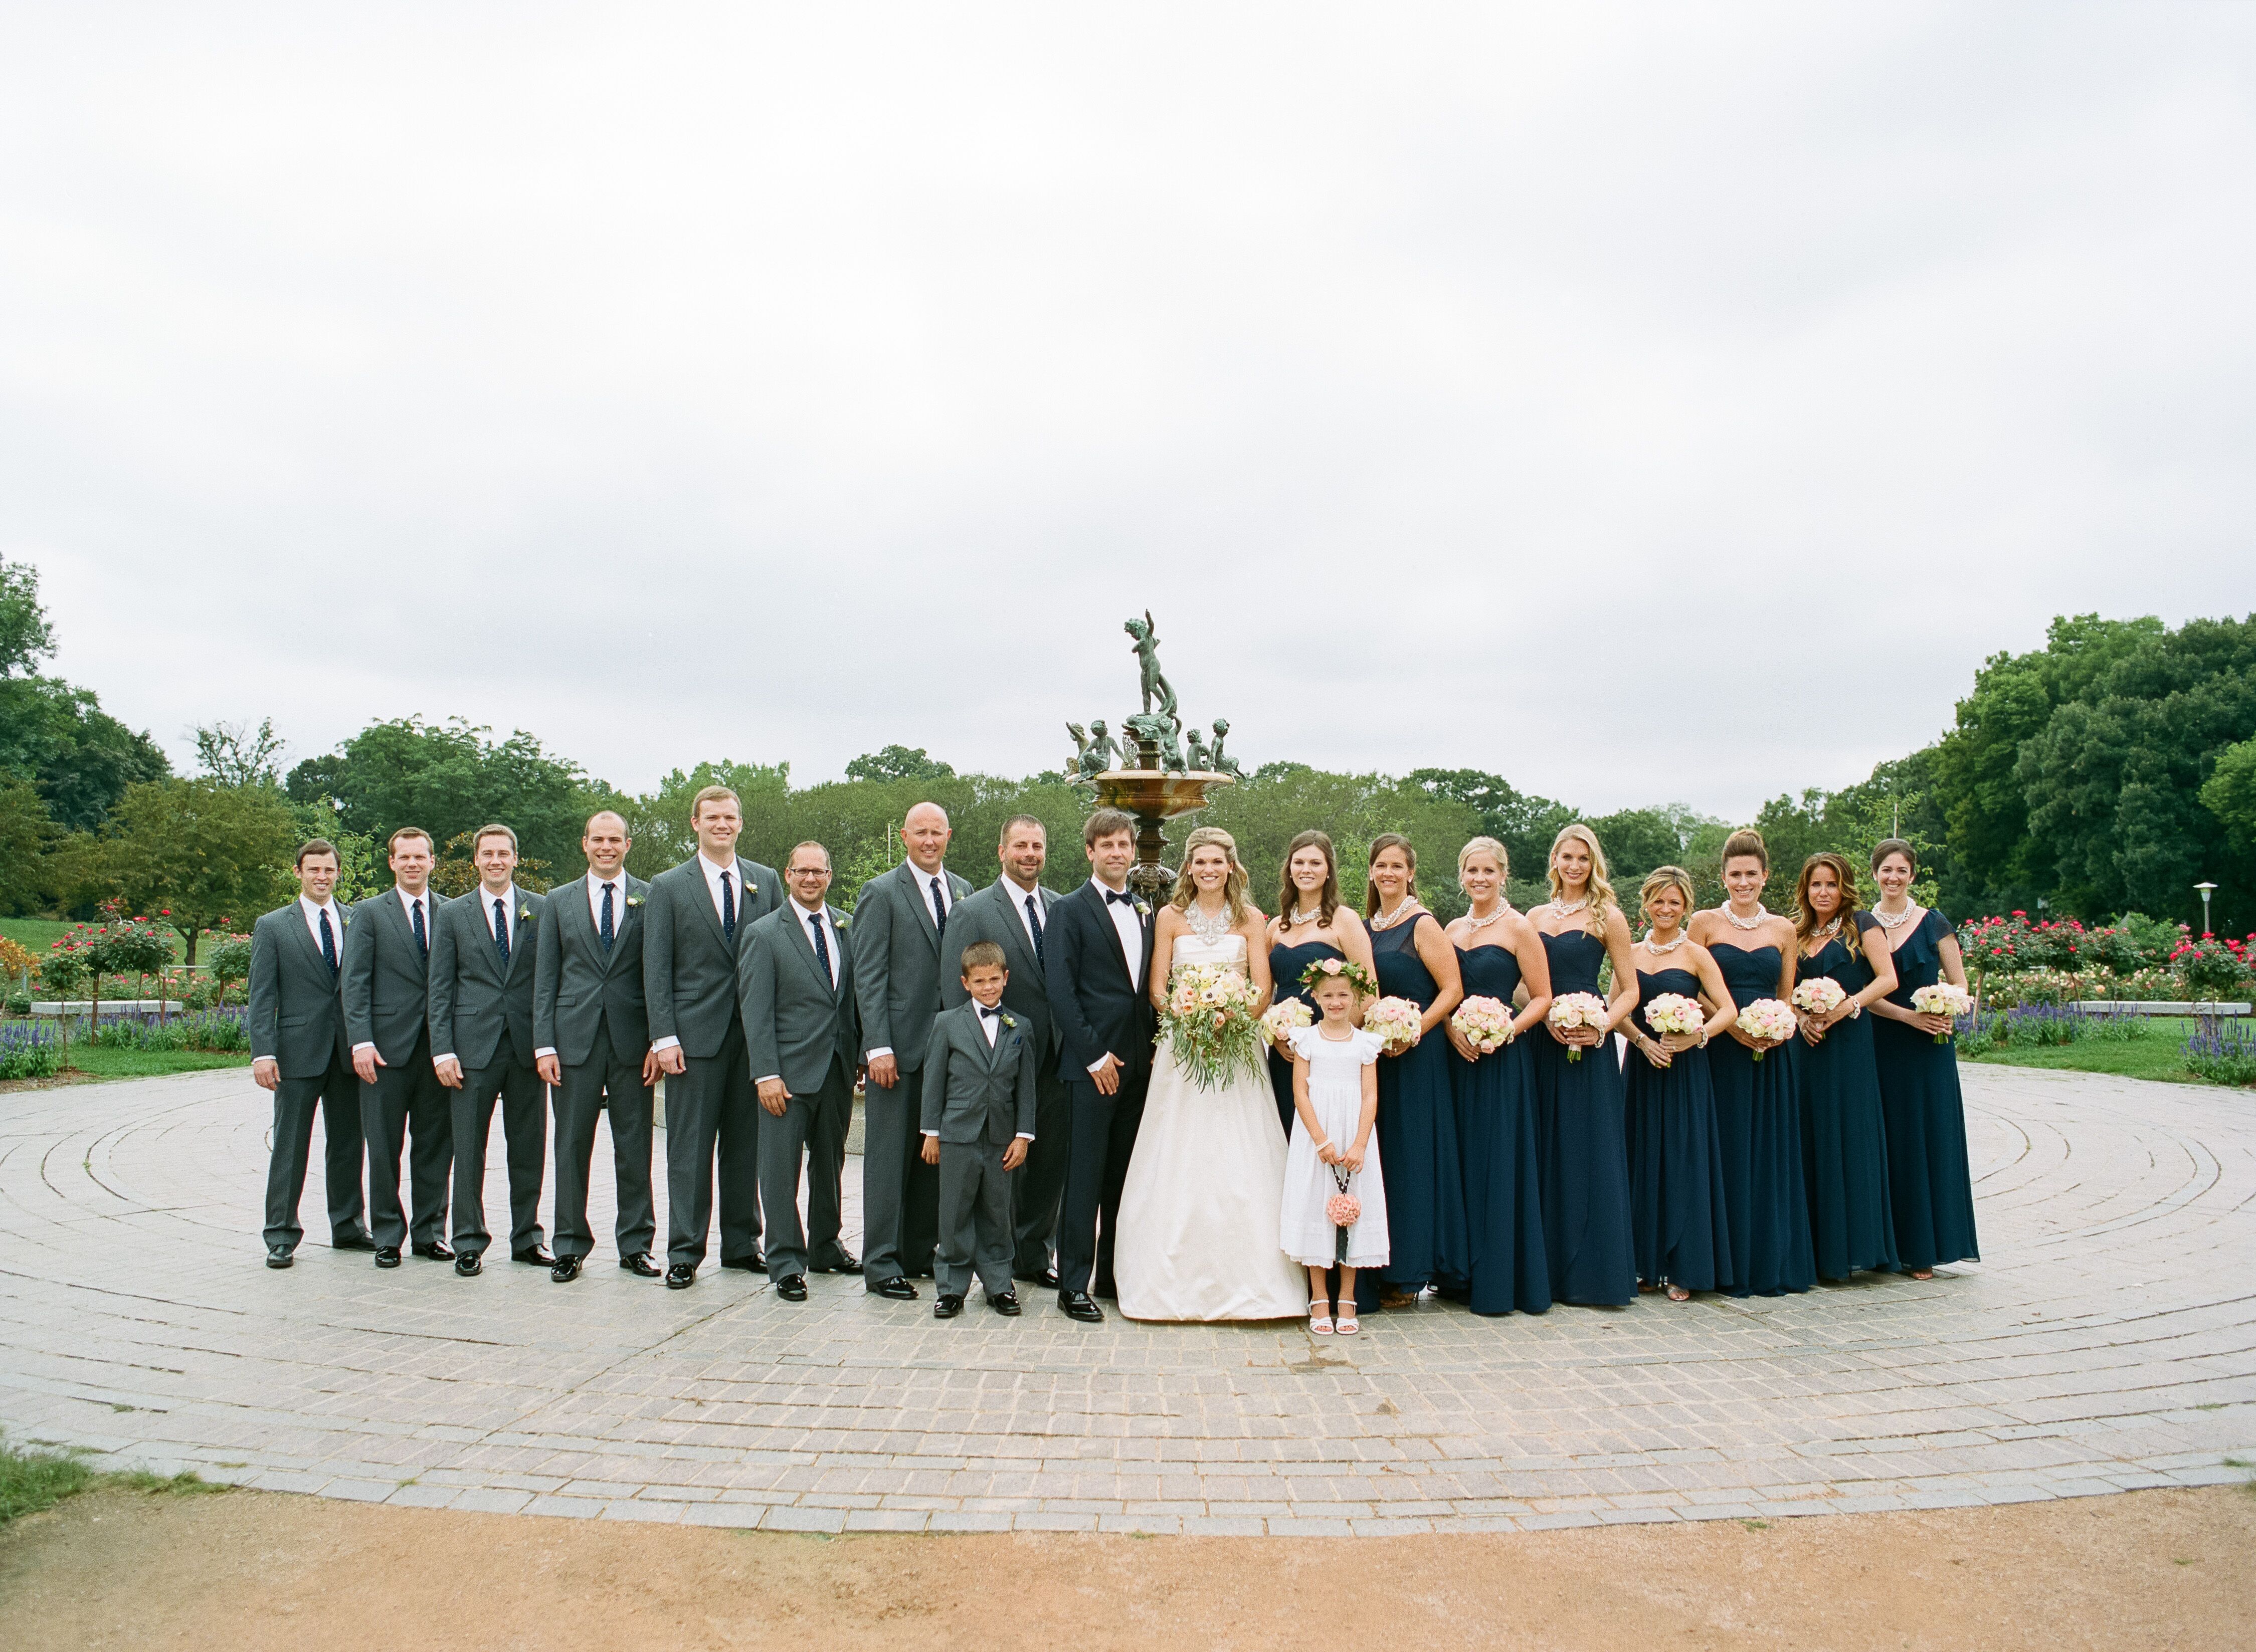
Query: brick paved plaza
2108	1342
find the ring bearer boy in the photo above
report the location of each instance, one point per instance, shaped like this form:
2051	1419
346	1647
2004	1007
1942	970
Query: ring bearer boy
979	1104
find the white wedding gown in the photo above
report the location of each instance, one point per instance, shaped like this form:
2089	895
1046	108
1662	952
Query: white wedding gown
1206	1185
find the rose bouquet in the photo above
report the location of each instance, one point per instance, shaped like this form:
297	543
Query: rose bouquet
1819	995
1282	1019
1942	999
1210	1024
1767	1018
1397	1021
1570	1010
1485	1023
1674	1012
1344	1210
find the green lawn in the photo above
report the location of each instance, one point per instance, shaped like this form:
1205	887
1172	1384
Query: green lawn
35	933
151	1064
2155	1056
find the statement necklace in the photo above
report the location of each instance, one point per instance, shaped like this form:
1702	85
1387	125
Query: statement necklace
1662	951
1476	925
1299	918
1826	931
1567	909
1761	916
1388	920
1207	929
1893	921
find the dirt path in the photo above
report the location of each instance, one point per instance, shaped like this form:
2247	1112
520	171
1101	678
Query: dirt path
250	1570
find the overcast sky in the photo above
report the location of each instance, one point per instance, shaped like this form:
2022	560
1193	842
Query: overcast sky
1670	402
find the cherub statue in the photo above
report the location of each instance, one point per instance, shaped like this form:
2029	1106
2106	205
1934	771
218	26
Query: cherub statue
1096	751
1155	684
1080	750
1161	731
1223	765
1194	749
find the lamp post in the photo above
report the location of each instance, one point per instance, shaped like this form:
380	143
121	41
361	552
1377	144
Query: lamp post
2204	889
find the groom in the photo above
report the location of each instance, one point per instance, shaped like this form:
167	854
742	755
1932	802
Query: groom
1098	963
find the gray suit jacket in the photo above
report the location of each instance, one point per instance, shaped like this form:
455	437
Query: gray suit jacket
387	980
897	961
577	986
689	972
472	1001
297	1007
972	1093
993	915
794	1021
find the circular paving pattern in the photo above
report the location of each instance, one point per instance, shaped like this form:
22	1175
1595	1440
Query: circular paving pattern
2108	1343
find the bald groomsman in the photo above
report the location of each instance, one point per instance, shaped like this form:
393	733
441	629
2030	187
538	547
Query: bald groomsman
698	915
900	922
482	968
297	1050
387	992
591	1037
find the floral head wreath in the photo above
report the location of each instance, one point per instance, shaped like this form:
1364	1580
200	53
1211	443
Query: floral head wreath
1345	969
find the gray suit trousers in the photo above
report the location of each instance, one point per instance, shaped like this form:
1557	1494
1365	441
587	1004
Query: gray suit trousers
975	1219
900	1192
336	1095
712	1104
1037	1186
407	1106
579	1101
525	1127
814	1126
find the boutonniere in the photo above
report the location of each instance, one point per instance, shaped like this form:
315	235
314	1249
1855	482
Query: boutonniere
1009	1021
838	922
1143	907
344	920
751	888
524	914
634	900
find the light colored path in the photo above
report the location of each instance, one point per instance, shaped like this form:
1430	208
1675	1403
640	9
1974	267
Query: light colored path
2109	1342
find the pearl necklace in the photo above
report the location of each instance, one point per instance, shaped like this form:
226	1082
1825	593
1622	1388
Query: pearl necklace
1826	931
1474	926
1893	921
1299	918
1662	951
1761	916
1208	928
1567	909
1388	920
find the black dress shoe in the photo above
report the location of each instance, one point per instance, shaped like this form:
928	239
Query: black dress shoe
896	1288
1045	1280
947	1307
640	1265
387	1255
537	1255
278	1256
1007	1303
467	1264
437	1251
565	1270
755	1263
845	1264
791	1287
1078	1306
680	1276
353	1238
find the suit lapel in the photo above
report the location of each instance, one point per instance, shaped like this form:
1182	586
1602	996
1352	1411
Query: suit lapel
1096	897
313	947
796	915
630	897
1016	941
920	897
694	868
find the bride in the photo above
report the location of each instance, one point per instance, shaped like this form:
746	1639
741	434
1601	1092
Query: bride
1199	1211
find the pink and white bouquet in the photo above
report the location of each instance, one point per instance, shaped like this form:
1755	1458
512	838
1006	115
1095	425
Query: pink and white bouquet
1570	1010
1819	995
1674	1012
1282	1019
1942	999
1485	1023
1768	1018
1397	1021
1209	1022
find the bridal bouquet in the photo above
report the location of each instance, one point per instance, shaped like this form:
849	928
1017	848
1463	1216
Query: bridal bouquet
1396	1021
1767	1018
1282	1019
1570	1010
1485	1023
1819	995
1942	999
1674	1012
1209	1022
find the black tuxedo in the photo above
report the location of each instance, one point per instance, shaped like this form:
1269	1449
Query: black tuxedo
1099	1007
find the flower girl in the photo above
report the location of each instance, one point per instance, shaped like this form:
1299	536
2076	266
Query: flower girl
1334	1208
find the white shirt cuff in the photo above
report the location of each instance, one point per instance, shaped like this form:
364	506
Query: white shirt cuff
546	1050
932	1132
435	1060
358	1048
664	1044
767	1079
1025	1135
1098	1065
882	1049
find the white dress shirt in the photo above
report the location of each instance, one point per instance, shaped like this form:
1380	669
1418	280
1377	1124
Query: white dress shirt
992	1026
713	884
407	904
1131	929
1017	898
312	913
924	898
808	922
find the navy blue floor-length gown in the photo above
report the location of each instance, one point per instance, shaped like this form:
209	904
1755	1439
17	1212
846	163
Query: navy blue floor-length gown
1418	1129
1930	1187
1496	1131
1584	1167
1758	1124
1675	1162
1845	1146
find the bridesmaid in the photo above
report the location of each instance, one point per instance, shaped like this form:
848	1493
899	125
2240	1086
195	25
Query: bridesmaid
1578	1104
1845	1148
1675	1161
1499	952
1417	1119
1930	1190
1310	924
1758	1108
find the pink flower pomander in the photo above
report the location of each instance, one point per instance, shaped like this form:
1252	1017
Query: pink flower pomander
1345	1210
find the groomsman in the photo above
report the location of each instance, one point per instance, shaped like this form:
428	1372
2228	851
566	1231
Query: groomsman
1014	912
387	992
299	1051
482	971
1100	958
698	915
798	1012
900	924
591	1037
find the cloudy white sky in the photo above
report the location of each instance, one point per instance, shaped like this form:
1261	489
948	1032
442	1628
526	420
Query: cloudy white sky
1652	403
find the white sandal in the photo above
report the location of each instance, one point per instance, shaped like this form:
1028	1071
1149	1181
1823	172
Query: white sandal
1347	1326
1320	1325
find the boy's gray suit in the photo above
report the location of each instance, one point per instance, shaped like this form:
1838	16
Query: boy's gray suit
996	913
482	1015
298	1017
387	994
691	990
977	1099
800	1028
588	1011
897	957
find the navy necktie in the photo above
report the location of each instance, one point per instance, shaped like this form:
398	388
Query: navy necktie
821	947
422	936
728	909
501	929
603	930
1034	923
328	943
939	911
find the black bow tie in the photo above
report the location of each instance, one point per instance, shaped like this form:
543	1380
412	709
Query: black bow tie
991	1012
1121	896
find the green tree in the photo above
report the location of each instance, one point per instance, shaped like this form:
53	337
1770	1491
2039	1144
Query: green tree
25	636
1524	824
28	835
897	762
79	757
237	754
200	852
2230	794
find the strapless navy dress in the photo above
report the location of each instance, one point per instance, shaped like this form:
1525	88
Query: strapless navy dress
1758	1124
1285	964
1675	1162
1583	1165
1496	1129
